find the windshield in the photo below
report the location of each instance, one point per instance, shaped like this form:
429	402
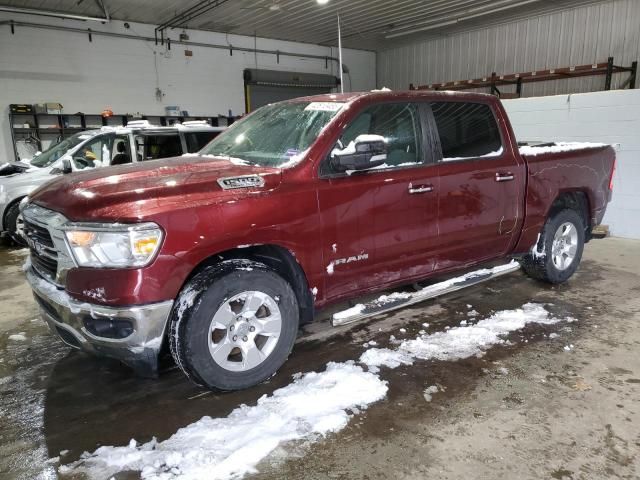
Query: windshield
53	153
275	135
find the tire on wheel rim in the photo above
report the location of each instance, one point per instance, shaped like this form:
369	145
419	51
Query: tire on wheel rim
14	223
558	252
234	325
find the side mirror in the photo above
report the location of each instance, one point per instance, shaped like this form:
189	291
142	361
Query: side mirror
66	166
366	151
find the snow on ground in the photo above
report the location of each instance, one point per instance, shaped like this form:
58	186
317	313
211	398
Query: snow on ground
460	342
315	404
429	392
312	406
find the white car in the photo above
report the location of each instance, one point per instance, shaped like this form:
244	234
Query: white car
93	149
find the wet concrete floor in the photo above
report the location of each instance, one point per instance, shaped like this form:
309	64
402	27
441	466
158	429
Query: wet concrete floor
530	409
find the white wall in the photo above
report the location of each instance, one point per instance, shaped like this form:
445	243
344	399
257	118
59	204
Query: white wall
39	65
611	117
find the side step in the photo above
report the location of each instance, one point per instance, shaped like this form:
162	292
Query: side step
395	301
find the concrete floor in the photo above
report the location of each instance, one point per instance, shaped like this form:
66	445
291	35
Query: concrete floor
528	410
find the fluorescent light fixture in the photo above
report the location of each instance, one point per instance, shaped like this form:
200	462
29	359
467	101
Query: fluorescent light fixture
322	2
507	4
47	13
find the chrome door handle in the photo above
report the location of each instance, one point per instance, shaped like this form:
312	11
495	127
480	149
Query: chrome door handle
420	189
504	177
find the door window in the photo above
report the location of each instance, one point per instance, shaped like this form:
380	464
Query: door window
151	146
121	152
398	123
93	154
466	130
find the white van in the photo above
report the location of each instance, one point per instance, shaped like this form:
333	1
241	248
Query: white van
138	141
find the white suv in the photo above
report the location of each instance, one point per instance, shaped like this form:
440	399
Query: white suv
138	141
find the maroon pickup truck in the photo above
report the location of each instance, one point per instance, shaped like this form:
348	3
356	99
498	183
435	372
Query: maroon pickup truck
222	255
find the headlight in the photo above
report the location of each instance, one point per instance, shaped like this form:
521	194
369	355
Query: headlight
113	246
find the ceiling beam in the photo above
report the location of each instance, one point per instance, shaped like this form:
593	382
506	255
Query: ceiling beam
104	9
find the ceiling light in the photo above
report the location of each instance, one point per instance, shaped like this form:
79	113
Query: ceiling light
322	2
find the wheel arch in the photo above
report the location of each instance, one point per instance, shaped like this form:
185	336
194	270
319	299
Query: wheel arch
577	200
282	260
15	201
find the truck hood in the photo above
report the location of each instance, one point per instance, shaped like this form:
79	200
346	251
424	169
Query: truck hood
141	190
12	168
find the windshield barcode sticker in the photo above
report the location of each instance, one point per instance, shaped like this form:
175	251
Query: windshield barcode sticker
324	106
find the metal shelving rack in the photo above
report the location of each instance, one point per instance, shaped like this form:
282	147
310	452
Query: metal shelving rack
494	80
62	125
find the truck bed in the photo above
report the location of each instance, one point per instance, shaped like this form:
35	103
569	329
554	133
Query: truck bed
558	167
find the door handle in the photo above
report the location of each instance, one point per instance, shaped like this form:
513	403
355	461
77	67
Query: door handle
420	189
504	177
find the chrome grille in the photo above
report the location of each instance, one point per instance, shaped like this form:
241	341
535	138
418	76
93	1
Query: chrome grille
43	231
44	256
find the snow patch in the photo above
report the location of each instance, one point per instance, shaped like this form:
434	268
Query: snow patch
356	309
461	342
429	392
95	293
18	337
496	153
314	405
532	150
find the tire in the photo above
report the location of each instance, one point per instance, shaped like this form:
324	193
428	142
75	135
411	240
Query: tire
247	350
11	223
545	262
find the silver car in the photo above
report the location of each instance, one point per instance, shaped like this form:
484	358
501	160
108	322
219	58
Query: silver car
94	149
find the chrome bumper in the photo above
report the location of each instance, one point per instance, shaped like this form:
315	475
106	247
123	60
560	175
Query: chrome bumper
69	320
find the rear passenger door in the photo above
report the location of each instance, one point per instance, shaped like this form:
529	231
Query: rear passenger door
481	185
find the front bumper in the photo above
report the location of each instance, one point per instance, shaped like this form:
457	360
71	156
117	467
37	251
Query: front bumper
138	342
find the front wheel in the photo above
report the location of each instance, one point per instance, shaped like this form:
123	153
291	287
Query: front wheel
234	325
14	224
558	252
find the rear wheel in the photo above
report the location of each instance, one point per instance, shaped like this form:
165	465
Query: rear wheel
234	325
556	256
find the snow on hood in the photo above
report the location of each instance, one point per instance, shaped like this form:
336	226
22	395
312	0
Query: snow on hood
129	192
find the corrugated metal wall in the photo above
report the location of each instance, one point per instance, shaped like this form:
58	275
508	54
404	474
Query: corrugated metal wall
577	36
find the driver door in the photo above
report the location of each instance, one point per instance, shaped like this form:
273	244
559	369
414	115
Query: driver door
379	224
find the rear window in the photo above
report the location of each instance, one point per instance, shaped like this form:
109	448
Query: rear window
467	130
197	140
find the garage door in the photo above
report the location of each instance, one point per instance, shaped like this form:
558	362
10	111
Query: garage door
262	87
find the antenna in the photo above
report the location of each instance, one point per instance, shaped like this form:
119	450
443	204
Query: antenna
340	55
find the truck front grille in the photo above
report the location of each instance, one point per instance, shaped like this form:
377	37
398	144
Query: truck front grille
44	256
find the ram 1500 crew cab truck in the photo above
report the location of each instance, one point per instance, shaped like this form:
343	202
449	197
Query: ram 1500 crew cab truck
222	255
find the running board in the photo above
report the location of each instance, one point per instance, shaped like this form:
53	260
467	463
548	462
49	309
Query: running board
395	301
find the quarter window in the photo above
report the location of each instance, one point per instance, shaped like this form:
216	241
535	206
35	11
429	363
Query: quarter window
197	140
466	130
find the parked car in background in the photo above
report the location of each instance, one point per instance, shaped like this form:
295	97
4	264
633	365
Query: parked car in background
222	255
138	141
